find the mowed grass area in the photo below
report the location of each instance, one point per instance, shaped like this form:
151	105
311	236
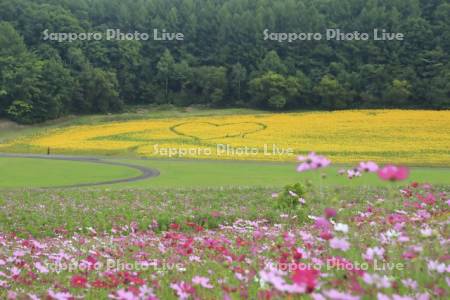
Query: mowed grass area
176	174
34	173
198	174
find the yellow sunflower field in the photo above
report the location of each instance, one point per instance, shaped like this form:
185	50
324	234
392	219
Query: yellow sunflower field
402	136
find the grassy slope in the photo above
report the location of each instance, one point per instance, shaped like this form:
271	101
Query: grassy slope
31	173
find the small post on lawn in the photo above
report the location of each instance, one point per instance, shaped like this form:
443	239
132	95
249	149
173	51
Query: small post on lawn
48	151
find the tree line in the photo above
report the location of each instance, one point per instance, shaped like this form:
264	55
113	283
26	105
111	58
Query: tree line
224	59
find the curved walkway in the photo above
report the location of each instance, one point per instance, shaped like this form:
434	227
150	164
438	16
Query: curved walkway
145	172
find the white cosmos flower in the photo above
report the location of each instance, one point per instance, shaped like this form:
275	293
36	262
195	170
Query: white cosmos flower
341	227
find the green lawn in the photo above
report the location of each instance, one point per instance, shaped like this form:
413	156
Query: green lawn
30	173
185	174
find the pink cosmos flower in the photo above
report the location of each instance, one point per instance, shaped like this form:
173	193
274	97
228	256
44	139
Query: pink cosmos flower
381	296
423	214
147	293
315	296
123	294
15	272
426	231
183	289
436	266
381	282
303	167
369	166
272	275
398	297
275	277
341	244
393	173
41	268
59	295
3	284
18	253
375	252
202	281
144	292
322	224
289	238
154	225
336	295
352	173
312	162
12	295
410	283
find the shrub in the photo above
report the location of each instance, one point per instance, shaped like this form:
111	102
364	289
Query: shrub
291	196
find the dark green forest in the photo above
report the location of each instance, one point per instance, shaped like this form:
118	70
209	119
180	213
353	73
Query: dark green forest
224	60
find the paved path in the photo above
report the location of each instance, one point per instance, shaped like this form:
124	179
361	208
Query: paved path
145	172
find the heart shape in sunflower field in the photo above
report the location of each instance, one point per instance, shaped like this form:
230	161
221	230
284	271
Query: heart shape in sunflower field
210	131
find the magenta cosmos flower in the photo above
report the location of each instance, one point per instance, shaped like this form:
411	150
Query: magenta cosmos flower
393	173
312	161
329	213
